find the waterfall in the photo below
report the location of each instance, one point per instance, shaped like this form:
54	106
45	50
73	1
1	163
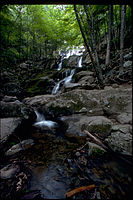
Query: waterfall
69	78
40	121
66	81
40	117
80	62
60	65
56	87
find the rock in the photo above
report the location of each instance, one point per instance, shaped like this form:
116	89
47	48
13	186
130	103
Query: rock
15	109
124	118
83	110
8	126
99	125
12	89
128	56
71	62
128	64
9	171
86	79
72	86
78	123
120	142
94	149
9	98
82	74
119	100
25	144
124	128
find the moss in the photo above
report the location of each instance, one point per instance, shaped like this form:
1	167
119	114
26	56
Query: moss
59	110
100	128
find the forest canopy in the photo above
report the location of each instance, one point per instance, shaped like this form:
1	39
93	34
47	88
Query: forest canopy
29	31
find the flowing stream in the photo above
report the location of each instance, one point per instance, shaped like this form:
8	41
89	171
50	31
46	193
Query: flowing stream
80	62
66	81
41	121
57	169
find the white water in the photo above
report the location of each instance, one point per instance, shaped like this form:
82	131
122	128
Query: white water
69	78
60	65
80	62
66	81
56	87
40	121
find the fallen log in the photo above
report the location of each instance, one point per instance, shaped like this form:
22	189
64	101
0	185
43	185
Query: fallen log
80	189
127	158
96	140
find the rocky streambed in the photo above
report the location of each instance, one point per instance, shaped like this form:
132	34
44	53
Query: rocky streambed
54	165
40	162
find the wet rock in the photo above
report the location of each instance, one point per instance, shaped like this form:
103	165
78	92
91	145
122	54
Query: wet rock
25	144
128	56
9	171
71	62
94	149
120	142
124	118
8	126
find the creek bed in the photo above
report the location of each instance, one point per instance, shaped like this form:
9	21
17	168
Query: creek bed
57	166
57	169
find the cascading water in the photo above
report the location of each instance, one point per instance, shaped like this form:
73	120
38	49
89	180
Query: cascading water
40	121
80	62
56	87
66	81
69	78
60	65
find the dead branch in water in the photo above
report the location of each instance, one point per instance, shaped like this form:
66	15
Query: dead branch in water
96	140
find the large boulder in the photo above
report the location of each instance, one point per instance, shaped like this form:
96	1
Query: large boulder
110	102
120	142
78	123
25	144
8	126
15	109
71	62
78	76
9	171
124	118
94	149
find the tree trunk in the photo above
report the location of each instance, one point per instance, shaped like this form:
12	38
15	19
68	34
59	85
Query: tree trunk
83	35
107	62
123	12
91	27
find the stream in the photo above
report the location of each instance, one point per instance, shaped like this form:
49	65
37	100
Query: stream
58	165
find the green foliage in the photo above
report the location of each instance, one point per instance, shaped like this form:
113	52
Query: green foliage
29	31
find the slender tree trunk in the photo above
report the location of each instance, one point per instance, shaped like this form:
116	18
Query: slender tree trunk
91	27
123	12
107	62
83	35
46	48
119	27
